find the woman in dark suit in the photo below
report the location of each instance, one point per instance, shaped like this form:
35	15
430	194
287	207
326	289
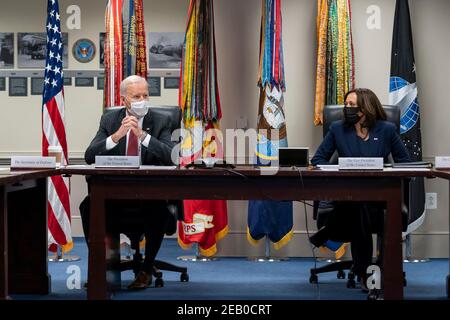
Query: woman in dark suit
364	132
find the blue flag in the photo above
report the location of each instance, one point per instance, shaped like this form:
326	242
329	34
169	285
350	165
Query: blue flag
270	218
403	93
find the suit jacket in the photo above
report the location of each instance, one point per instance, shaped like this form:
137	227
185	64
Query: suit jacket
157	125
383	140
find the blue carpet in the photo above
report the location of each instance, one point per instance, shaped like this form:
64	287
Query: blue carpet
240	279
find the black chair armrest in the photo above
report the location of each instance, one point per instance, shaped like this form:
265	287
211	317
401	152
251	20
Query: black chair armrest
405	217
175	209
315	209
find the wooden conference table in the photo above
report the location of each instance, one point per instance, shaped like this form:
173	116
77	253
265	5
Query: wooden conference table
244	183
23	223
445	174
23	232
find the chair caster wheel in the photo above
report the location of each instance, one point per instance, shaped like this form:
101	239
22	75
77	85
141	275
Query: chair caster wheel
351	284
159	283
184	277
157	274
374	295
448	286
341	274
313	279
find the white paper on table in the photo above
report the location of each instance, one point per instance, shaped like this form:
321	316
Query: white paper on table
79	166
406	169
4	170
158	167
328	167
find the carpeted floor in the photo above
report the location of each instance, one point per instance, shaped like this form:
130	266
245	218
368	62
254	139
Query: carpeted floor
241	279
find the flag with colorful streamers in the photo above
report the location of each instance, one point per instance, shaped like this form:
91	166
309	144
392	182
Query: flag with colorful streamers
124	46
335	70
205	221
267	218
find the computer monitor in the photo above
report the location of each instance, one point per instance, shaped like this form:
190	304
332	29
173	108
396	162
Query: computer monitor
293	156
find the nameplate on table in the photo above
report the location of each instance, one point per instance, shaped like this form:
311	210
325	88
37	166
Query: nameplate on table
360	163
117	162
442	162
33	162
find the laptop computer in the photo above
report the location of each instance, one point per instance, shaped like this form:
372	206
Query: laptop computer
293	156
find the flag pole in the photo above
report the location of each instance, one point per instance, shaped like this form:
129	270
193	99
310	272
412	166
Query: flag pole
60	257
408	252
197	257
267	255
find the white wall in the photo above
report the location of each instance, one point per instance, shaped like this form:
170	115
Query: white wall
237	32
83	105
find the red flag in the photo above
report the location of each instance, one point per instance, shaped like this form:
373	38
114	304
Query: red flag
54	134
205	221
113	53
141	50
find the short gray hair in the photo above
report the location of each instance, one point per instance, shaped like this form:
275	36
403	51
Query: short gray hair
129	81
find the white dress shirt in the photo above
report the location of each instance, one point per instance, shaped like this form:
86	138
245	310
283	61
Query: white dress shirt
110	144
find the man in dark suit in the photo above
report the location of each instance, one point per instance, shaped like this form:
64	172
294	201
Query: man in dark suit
135	131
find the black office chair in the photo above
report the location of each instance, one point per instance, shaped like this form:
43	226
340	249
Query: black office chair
134	231
332	113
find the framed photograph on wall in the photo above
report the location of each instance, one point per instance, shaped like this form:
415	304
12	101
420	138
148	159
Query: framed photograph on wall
171	82
37	86
84	82
165	49
18	87
67	81
6	50
100	83
154	86
2	84
32	50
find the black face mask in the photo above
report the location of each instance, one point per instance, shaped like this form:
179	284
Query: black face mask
351	115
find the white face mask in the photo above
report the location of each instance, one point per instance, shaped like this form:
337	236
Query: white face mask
139	109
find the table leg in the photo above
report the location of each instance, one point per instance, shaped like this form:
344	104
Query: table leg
28	237
448	276
392	256
3	246
97	284
448	286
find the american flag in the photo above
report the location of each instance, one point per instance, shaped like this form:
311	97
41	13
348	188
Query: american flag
54	133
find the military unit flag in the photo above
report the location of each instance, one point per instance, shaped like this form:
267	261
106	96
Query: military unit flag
265	217
205	221
124	46
335	70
